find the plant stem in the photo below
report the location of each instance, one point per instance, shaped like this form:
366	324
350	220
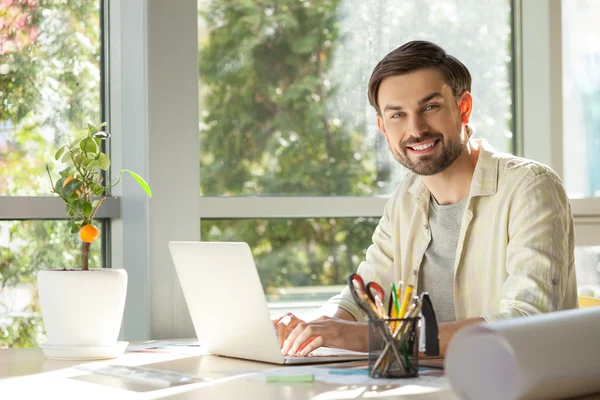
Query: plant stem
85	255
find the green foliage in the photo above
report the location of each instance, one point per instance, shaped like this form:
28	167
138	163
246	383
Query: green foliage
82	180
49	86
268	128
81	184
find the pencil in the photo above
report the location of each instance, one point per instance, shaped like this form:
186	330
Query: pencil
406	300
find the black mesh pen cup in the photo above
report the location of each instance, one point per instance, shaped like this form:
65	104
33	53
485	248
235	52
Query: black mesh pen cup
393	348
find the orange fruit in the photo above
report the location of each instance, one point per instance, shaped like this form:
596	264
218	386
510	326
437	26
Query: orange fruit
88	233
69	179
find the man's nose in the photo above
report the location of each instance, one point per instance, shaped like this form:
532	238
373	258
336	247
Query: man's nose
417	125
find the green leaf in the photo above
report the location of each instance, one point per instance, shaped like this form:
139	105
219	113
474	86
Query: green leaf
104	161
87	209
74	227
91	128
72	187
93	164
98	190
89	145
58	188
141	182
65	172
59	153
66	157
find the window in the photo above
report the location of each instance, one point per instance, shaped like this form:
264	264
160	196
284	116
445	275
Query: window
284	115
581	97
587	264
50	58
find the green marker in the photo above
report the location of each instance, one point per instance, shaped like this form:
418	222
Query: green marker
290	378
396	303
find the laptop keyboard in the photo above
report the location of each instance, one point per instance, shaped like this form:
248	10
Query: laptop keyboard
330	352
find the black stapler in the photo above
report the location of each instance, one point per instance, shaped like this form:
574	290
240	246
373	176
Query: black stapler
432	340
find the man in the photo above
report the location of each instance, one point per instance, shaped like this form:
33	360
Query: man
488	235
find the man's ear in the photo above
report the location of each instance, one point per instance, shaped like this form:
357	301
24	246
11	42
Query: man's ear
466	107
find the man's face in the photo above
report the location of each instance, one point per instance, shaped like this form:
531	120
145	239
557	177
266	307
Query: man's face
421	120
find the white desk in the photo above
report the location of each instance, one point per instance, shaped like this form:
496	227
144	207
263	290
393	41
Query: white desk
27	373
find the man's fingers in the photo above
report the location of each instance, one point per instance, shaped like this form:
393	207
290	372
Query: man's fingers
306	334
281	330
278	318
291	339
312	345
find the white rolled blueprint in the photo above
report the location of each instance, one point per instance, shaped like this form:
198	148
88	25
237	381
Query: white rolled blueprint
548	356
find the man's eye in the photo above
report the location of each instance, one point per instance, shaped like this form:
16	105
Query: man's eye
397	115
431	107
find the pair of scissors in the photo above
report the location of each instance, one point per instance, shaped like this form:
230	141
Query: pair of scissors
360	296
376	295
368	297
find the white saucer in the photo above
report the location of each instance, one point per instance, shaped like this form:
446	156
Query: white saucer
84	352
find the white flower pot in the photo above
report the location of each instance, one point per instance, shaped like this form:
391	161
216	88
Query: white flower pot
82	312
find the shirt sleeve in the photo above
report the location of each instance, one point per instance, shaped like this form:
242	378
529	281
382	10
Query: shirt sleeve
539	261
377	267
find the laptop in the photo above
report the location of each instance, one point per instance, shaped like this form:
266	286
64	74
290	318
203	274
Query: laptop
228	308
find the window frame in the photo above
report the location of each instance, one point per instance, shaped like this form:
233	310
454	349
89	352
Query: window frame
151	108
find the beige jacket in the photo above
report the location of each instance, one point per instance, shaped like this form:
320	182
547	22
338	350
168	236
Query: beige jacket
515	248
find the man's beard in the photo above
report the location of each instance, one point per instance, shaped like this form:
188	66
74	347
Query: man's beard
430	164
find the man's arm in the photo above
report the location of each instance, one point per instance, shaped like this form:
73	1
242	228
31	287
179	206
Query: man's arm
378	266
447	330
539	255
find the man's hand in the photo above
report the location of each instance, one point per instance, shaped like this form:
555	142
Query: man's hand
284	325
328	332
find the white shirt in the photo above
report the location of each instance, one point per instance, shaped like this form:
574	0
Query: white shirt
515	247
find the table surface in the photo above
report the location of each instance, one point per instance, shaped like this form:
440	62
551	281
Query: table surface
28	373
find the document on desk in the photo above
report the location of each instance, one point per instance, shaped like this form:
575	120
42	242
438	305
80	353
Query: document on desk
548	356
342	375
191	347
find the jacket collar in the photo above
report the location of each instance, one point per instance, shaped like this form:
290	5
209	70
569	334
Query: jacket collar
485	176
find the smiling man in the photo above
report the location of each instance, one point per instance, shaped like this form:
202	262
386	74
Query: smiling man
487	235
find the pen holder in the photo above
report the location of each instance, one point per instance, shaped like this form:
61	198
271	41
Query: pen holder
393	348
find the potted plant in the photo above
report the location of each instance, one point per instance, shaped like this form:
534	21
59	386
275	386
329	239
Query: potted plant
82	308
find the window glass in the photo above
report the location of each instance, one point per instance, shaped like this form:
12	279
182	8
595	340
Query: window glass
587	263
49	85
301	261
25	248
581	97
283	103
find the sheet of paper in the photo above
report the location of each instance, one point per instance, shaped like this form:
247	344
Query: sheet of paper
339	375
191	347
549	356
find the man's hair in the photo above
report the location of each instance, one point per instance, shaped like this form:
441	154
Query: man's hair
418	55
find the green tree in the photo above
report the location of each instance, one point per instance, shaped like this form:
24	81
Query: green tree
284	112
268	129
49	87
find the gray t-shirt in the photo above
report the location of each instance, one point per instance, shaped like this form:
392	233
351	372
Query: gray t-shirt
436	274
